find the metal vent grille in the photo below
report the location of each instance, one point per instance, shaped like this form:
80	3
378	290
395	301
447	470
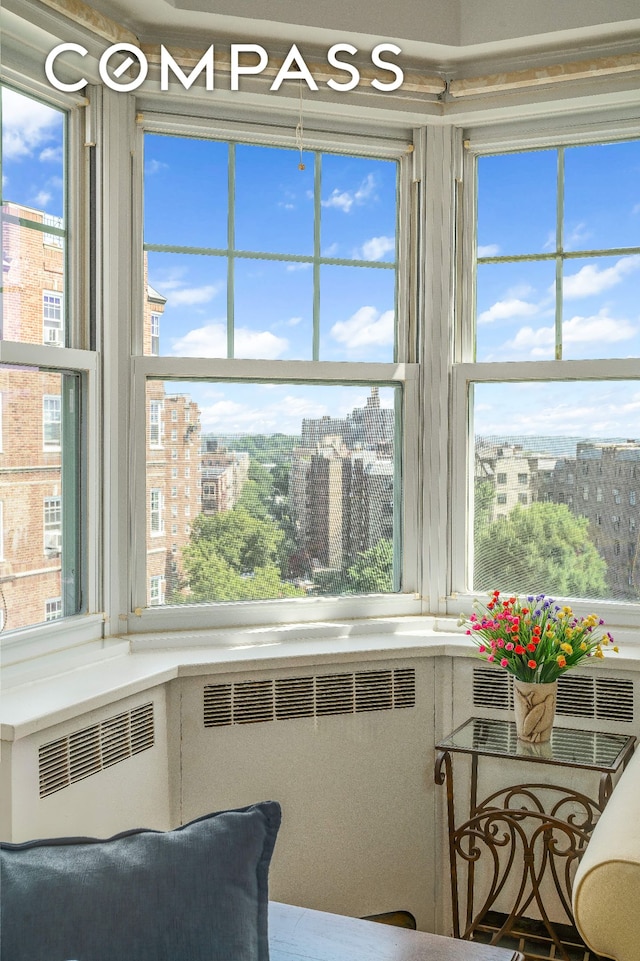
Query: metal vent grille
86	752
601	698
251	702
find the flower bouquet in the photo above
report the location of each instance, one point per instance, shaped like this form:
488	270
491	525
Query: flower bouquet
536	640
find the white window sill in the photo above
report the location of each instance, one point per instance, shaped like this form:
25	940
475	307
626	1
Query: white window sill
84	680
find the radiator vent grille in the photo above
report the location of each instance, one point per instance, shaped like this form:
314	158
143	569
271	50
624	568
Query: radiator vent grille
600	698
83	753
251	702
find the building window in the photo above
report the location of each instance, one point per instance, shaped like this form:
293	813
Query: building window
522	498
501	499
51	422
617	496
156	590
174	415
52	526
599	494
174	436
187	472
52	318
174	473
174	491
585	493
523	478
632	498
155	506
53	239
53	609
155	423
502	478
155	334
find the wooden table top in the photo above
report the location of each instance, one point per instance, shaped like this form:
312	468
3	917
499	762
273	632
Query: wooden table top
300	934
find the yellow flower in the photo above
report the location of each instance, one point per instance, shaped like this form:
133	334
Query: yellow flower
569	632
598	653
567	648
562	661
583	646
567	611
616	648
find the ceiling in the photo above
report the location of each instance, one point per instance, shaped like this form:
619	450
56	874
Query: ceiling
439	31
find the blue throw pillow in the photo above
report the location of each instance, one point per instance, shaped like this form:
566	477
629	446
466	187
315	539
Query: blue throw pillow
198	893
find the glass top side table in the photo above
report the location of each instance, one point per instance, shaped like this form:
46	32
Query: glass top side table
521	844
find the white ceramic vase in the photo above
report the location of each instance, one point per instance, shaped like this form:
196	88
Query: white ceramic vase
535	707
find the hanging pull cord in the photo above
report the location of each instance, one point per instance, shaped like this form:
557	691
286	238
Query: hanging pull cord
300	133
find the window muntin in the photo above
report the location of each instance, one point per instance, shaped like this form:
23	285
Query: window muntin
33	215
561	287
263	286
298	493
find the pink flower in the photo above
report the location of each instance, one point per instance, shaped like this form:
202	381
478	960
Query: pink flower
504	662
491	657
510	646
482	648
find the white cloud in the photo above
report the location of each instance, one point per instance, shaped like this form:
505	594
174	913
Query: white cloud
592	279
635	209
375	248
577	236
42	198
331	250
155	166
281	414
599	328
346	199
27	125
51	155
507	309
293	267
211	341
365	328
189	296
488	250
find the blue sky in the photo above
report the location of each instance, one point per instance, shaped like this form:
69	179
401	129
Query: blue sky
517	215
186	204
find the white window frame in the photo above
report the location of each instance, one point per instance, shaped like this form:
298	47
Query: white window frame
52	525
405	373
465	372
155	424
53	609
53	325
155	333
156	512
156	590
51	415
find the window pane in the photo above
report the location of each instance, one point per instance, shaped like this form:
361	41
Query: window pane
517	203
273	310
185	195
187	293
515	311
33	259
601	196
40	495
358	208
357	313
270	491
600	309
556	478
274	201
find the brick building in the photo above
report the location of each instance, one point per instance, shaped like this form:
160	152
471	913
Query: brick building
38	517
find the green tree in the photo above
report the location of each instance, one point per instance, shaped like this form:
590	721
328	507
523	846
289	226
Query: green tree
370	573
540	548
484	496
243	541
252	501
